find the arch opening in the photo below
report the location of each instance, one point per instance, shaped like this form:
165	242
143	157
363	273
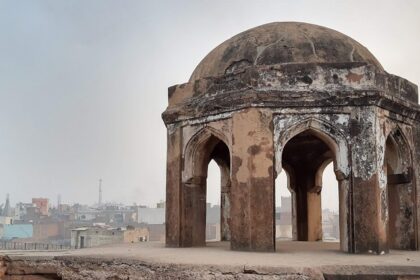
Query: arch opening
400	193
213	202
330	205
305	157
283	208
203	221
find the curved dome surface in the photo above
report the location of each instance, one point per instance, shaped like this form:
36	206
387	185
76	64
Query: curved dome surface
282	42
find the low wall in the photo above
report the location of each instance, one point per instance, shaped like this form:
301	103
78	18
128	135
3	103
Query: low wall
35	268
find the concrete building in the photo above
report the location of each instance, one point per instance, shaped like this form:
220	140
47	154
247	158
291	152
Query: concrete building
21	210
293	97
4	220
41	204
33	213
87	215
213	223
86	237
13	231
156	232
284	228
114	215
48	230
330	225
135	235
160	204
151	215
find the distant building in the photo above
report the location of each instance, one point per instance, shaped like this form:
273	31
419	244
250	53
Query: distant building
286	204
151	215
213	232
212	222
41	204
160	204
135	235
113	215
33	213
4	220
284	225
156	232
87	215
48	230
21	210
64	207
284	219
330	225
13	231
95	236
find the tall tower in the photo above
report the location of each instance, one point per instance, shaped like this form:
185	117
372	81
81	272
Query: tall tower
100	192
7	211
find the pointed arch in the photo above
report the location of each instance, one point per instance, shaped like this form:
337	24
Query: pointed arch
400	191
205	145
198	152
335	140
399	141
330	145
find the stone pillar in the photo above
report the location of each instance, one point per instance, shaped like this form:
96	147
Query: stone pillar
173	187
314	215
225	214
194	212
416	181
344	214
369	191
225	218
252	190
308	217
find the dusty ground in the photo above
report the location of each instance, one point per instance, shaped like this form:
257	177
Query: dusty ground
304	260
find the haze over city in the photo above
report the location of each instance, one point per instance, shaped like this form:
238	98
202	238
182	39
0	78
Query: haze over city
83	84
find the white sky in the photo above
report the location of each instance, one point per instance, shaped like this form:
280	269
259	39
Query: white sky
83	83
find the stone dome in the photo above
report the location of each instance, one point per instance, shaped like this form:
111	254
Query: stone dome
282	42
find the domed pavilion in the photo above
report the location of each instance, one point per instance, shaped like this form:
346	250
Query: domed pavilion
293	97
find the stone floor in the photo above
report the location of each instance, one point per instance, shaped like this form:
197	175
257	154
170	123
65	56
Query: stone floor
296	257
289	253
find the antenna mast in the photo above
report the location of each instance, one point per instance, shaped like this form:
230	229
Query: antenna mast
100	192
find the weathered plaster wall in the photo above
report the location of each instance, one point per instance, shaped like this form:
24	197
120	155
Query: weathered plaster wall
252	203
173	187
292	85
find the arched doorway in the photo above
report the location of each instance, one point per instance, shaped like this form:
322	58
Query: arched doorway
305	157
200	151
400	193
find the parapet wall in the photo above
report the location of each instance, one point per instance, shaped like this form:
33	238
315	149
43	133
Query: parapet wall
78	268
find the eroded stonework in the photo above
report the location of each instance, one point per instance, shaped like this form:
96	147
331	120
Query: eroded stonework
292	97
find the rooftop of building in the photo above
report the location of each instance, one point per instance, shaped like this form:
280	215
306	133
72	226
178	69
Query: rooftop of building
314	258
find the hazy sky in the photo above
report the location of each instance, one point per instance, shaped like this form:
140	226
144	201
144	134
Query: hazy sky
83	83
